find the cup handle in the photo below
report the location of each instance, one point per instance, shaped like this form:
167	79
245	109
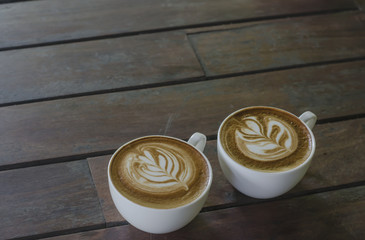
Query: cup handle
309	119
198	140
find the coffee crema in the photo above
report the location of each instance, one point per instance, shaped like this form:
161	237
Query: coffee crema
159	172
266	139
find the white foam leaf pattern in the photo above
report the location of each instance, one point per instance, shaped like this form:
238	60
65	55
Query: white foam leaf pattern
267	139
158	168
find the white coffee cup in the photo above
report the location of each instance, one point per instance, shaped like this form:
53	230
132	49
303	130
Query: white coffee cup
155	220
260	184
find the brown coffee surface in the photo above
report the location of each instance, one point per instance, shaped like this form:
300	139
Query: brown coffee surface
266	139
159	172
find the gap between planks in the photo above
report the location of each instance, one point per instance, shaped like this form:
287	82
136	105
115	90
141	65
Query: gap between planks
204	210
71	158
183	81
175	28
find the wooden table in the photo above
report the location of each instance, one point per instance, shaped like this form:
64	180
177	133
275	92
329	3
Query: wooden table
78	78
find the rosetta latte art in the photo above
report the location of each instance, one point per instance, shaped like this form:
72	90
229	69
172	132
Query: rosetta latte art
159	169
266	138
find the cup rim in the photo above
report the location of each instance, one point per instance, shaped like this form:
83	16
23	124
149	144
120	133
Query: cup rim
227	157
206	190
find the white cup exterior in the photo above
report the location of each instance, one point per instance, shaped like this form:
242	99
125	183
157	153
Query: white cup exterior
259	184
154	220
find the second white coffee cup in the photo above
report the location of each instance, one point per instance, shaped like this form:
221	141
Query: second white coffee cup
261	184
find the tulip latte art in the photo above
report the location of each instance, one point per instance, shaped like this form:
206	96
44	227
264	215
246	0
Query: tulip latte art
266	139
159	172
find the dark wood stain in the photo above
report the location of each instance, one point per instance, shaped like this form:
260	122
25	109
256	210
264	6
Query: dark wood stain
114	233
49	198
80	78
281	43
98	168
96	66
90	124
336	215
38	21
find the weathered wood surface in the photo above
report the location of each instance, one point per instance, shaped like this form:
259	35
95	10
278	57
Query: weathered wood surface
98	167
329	215
114	233
96	66
27	23
90	124
80	78
332	215
50	198
281	43
339	157
327	170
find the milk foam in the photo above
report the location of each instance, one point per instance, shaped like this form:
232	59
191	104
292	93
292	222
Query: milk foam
265	139
156	167
159	172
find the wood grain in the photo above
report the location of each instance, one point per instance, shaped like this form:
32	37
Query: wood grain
80	78
35	22
339	157
90	124
98	167
327	169
114	233
50	198
281	43
334	215
52	71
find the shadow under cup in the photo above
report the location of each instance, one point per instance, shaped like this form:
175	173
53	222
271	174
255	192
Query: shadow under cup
253	177
155	218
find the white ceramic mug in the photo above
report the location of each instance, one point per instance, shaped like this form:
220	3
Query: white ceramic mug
154	220
259	184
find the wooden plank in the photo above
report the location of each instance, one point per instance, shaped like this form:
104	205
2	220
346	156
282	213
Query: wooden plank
84	125
281	43
114	233
339	157
49	198
101	65
333	147
98	167
330	215
35	22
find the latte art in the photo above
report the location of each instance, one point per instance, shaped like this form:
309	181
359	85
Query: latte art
159	172
157	168
265	139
